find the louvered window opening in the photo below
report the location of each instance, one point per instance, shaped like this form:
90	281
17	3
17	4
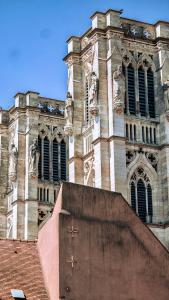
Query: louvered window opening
142	92
63	161
146	91
46	159
131	90
150	84
55	161
56	153
141	200
87	103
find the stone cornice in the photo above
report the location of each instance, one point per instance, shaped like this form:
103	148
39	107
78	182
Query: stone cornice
99	140
115	137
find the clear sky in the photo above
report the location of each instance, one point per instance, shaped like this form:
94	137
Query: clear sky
33	35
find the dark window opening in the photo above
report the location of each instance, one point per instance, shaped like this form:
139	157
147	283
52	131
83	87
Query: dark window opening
131	89
142	94
63	160
150	83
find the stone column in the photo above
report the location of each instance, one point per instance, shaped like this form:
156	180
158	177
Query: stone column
100	124
162	211
75	90
116	116
31	181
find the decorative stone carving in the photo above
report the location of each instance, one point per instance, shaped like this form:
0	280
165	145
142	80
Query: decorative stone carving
166	94
152	159
85	42
89	172
13	161
48	108
33	159
68	129
43	214
138	31
130	156
140	173
93	94
118	90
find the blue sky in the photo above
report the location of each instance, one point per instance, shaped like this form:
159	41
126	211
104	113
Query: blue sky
33	35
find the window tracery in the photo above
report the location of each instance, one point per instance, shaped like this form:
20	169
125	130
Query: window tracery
138	69
141	195
52	149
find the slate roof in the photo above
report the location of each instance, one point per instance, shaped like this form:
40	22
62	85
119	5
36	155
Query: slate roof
20	269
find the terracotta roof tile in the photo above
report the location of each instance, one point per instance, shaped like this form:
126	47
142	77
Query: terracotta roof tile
20	269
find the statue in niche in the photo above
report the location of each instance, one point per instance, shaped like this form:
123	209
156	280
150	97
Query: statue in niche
69	110
13	161
166	94
118	90
93	89
93	94
69	115
34	158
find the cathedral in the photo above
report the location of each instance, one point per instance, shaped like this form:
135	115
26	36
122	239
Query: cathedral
112	132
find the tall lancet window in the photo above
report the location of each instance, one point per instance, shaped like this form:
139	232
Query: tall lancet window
142	91
86	101
146	89
141	195
46	159
52	160
150	85
130	97
63	160
55	160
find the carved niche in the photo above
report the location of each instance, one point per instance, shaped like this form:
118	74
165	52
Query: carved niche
13	162
34	159
69	107
118	90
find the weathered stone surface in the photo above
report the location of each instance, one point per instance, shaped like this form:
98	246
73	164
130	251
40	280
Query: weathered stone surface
99	249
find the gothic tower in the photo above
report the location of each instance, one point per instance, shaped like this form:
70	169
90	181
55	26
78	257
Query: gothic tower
118	78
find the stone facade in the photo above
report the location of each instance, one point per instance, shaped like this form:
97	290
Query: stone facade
119	82
25	199
116	122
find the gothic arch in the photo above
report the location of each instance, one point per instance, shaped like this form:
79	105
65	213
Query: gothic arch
145	57
148	176
128	58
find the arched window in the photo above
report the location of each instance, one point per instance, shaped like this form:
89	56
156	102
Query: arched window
40	157
141	199
63	160
150	85
55	161
46	159
131	89
52	160
141	195
142	92
130	98
87	101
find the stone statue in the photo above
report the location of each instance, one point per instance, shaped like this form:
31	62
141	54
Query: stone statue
166	94
118	90
93	88
34	158
68	129
13	161
69	110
